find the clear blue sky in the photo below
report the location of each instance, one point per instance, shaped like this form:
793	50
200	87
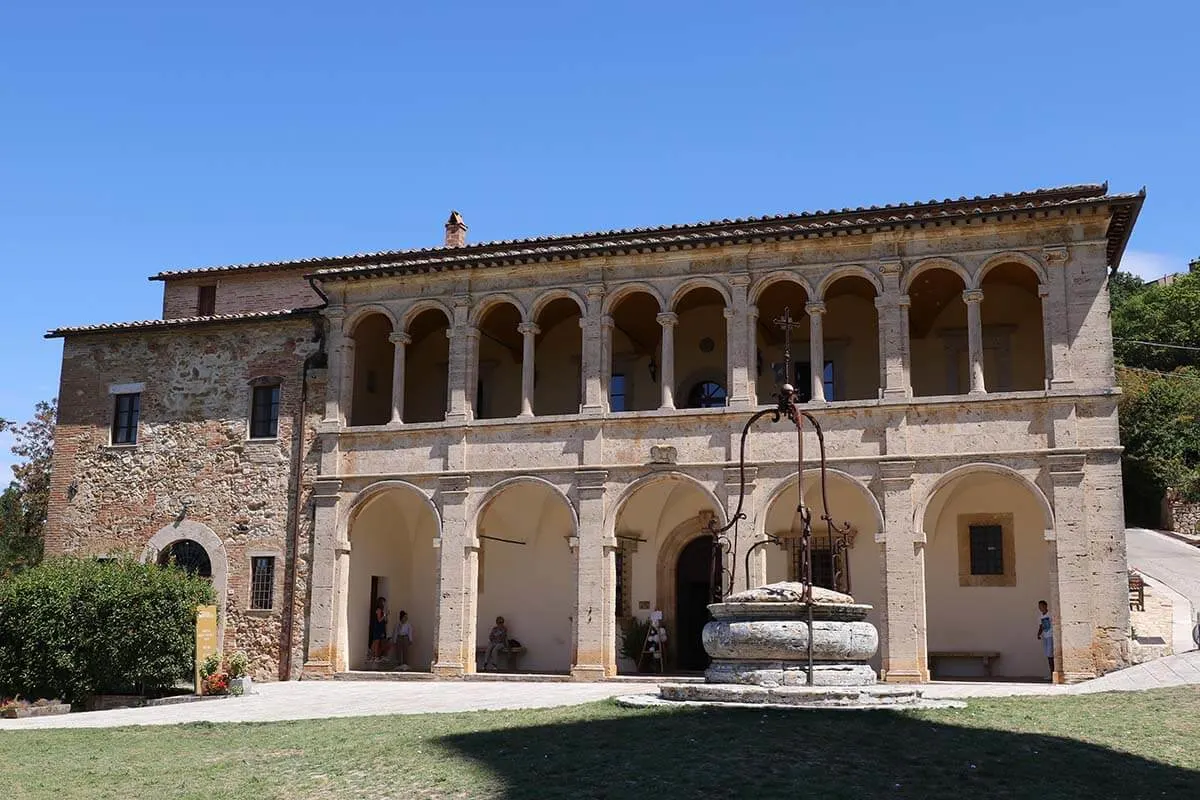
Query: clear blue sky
137	137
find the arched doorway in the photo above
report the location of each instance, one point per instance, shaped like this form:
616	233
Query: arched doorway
189	556
693	593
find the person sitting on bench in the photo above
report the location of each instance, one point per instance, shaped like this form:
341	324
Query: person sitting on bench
497	641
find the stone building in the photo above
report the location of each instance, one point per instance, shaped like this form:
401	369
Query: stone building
541	429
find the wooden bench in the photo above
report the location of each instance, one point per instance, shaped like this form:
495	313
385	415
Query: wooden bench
986	657
1137	592
512	654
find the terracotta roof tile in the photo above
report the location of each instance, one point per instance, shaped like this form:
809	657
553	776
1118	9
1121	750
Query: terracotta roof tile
180	322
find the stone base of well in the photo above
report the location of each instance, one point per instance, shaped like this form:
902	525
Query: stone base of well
788	673
830	697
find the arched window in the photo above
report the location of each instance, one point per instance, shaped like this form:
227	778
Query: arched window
187	555
707	394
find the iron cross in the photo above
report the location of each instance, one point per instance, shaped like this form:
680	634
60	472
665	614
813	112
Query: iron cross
786	323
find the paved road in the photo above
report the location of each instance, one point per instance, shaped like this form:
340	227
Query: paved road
1166	560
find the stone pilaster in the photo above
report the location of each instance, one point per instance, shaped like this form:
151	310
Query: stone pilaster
454	650
1074	659
973	298
594	395
606	338
752	350
1054	318
400	342
757	575
893	332
903	612
335	316
739	354
462	365
595	583
816	349
328	563
529	332
668	320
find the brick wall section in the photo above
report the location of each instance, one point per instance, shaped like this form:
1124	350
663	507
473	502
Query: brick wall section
268	290
192	445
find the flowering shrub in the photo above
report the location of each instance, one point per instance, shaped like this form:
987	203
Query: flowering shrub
217	683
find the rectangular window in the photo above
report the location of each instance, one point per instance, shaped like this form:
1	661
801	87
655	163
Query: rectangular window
822	569
616	393
987	550
206	301
262	582
264	412
803	381
125	418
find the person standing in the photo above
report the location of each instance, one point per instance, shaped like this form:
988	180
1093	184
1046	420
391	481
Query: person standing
403	639
1046	634
379	626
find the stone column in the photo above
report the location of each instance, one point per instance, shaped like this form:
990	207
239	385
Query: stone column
461	364
529	331
903	633
595	583
739	356
973	297
454	648
400	342
668	320
334	317
816	348
346	380
892	312
1054	317
1075	625
606	338
593	354
324	657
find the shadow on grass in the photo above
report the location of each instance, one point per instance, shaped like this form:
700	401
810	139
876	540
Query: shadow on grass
827	754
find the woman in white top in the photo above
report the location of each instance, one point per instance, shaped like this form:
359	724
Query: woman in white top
403	639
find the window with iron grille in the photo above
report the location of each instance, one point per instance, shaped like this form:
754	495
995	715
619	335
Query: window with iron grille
987	550
264	412
822	570
125	418
206	301
262	581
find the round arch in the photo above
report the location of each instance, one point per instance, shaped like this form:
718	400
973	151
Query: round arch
364	497
355	317
848	270
691	284
811	476
938	262
763	283
546	298
1010	257
983	467
490	301
420	307
204	536
610	519
626	289
495	491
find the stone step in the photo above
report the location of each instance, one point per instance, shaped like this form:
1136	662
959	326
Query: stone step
381	675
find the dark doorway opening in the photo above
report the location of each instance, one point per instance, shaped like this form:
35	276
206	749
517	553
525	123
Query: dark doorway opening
693	593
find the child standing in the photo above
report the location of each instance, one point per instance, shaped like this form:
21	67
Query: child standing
403	639
1046	634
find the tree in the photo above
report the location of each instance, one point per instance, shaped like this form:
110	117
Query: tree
24	503
1169	314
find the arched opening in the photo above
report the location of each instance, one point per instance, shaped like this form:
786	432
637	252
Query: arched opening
987	564
700	349
426	367
770	368
653	524
1012	325
374	359
558	359
693	593
937	331
392	555
636	353
851	328
187	555
849	502
498	391
527	573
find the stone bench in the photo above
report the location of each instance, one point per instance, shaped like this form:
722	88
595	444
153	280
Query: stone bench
512	654
987	657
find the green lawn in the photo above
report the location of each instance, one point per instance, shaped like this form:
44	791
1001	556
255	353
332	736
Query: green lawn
1099	746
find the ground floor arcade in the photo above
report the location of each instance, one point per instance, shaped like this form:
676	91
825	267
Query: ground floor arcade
953	558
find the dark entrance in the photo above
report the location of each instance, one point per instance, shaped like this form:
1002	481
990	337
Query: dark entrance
693	593
187	555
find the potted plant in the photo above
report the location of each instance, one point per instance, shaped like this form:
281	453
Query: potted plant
633	638
239	679
213	680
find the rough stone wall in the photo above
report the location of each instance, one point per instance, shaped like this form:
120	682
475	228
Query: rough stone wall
192	446
273	290
1184	517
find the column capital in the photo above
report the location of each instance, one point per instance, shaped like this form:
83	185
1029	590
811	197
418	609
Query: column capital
891	472
528	329
814	308
326	492
453	487
890	266
595	291
739	279
400	338
733	477
591	480
334	313
972	296
1057	254
469	331
461	301
904	301
1043	290
1066	469
668	319
729	313
607	321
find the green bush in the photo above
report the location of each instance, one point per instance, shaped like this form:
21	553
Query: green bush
74	627
633	637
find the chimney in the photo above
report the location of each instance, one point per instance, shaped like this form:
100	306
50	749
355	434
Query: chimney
456	230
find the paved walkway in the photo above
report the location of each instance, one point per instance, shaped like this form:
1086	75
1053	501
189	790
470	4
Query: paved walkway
1167	560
